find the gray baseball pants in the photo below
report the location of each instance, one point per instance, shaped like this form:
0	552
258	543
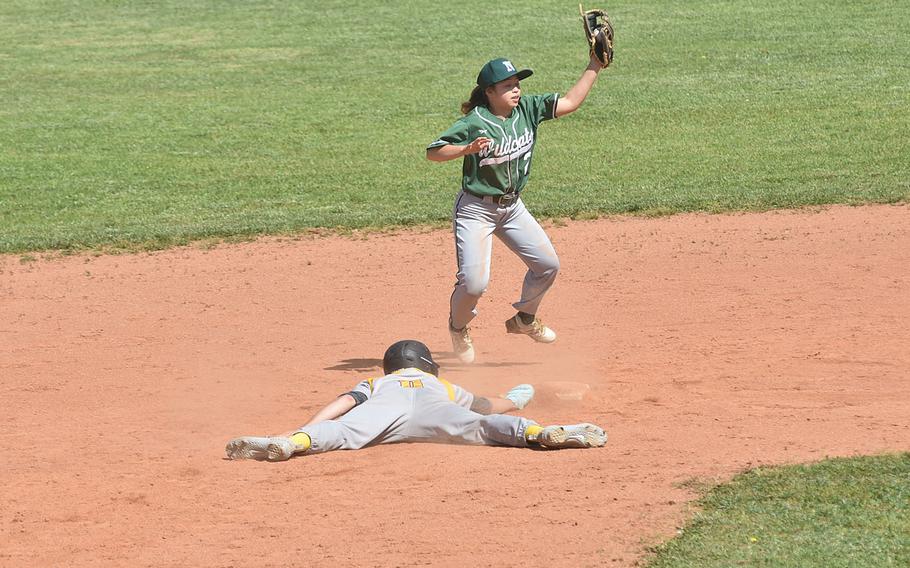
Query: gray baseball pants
476	221
414	415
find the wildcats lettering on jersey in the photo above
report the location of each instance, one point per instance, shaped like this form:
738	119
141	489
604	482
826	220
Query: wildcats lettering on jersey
505	164
507	149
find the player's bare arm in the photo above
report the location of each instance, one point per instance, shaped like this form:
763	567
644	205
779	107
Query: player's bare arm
577	94
452	151
338	407
492	405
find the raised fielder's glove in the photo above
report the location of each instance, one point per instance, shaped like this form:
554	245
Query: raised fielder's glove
599	31
520	395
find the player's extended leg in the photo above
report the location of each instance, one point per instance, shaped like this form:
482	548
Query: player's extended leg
365	425
473	224
445	422
436	420
374	422
501	430
525	237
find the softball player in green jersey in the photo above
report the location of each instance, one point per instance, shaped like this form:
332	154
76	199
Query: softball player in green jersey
496	138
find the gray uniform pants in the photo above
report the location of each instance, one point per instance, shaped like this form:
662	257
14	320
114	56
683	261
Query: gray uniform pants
475	223
414	415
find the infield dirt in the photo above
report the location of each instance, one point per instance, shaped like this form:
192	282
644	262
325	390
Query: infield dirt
704	345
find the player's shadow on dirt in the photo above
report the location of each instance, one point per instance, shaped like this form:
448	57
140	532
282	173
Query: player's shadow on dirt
356	365
445	359
455	363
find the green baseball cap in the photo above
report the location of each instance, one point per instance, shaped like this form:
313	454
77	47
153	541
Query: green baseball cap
499	70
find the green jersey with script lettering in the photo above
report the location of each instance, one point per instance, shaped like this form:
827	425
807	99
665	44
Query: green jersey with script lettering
505	165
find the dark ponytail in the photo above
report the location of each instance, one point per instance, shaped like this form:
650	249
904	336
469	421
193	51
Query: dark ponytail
478	98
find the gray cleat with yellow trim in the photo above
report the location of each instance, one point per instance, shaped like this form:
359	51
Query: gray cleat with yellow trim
574	436
259	448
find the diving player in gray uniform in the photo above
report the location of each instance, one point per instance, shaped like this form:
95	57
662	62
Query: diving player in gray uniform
496	138
412	404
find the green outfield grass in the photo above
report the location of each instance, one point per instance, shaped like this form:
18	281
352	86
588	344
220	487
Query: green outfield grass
147	124
831	514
